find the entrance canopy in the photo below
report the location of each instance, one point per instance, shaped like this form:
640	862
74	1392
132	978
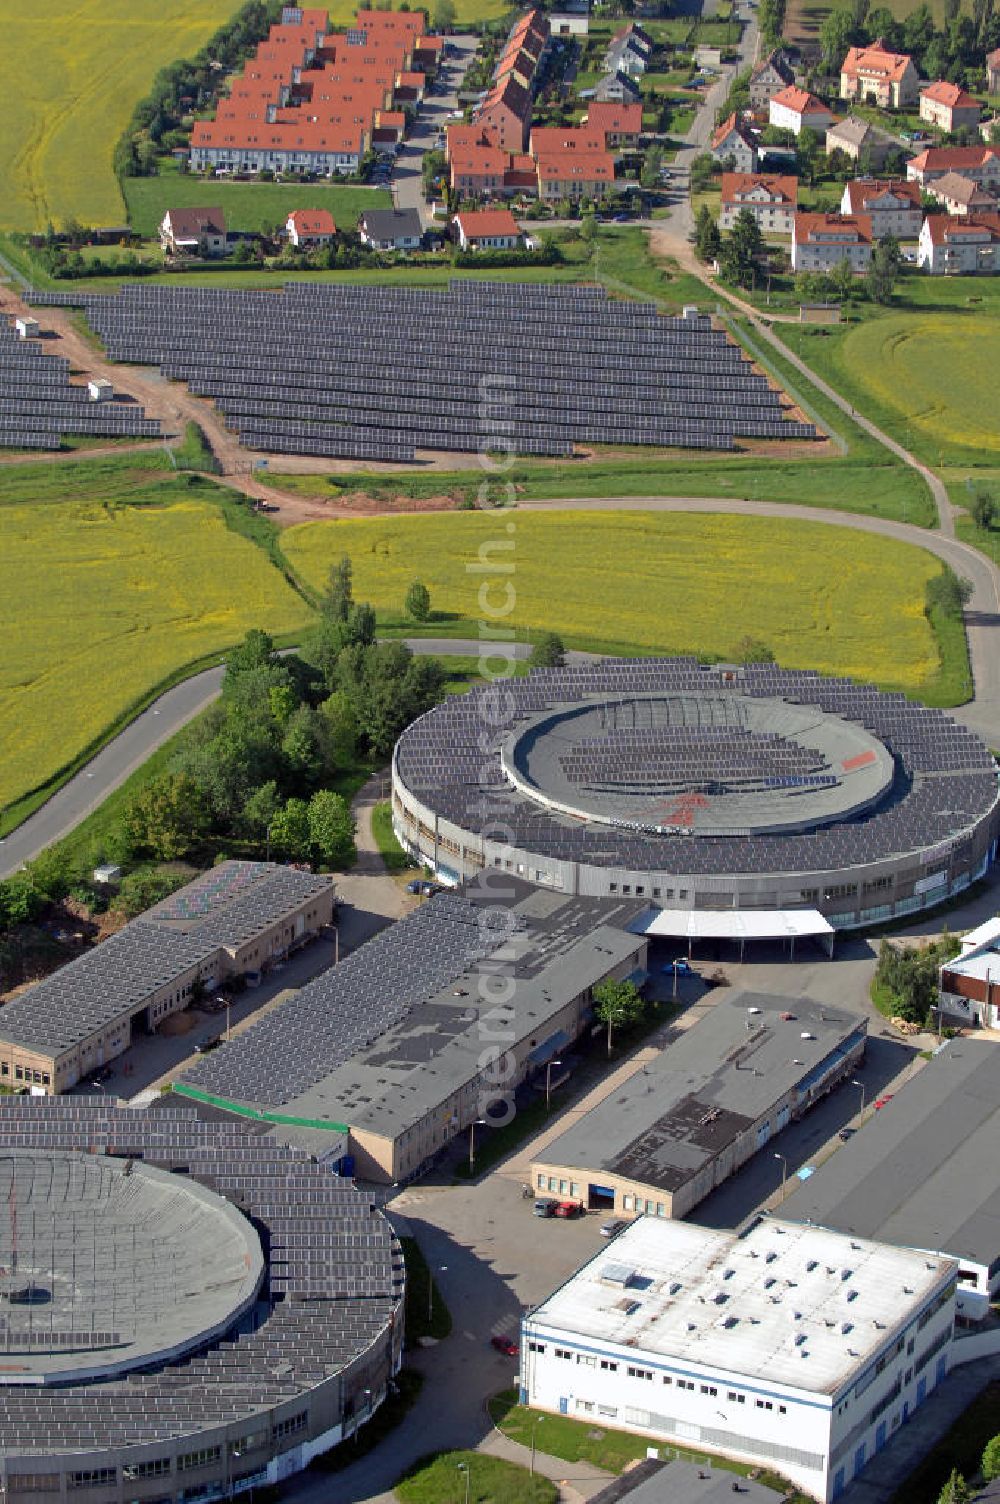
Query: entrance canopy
736	924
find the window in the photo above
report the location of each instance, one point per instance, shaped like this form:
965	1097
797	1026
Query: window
661	1210
628	1203
709	1389
22	1483
609	1365
536	1347
586	1359
685	1384
204	1458
609	1411
638	1373
95	1477
563	1187
541	1182
290	1425
552	1182
763	1404
159	1467
587	1406
562	1352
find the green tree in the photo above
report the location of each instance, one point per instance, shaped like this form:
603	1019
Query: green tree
339	597
254	652
835	36
842	279
880	278
807	149
617	1004
990	1465
947	592
750	650
956	1490
341	724
418	601
331	829
261	808
167	818
707	237
290	830
588	228
741	249
983	509
547	651
444	16
651	163
139	890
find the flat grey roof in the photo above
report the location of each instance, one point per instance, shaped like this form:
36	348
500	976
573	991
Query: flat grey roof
655	1482
706	1088
924	1171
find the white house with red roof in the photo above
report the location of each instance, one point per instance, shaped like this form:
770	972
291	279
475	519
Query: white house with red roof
733	142
488	230
310	227
980	163
794	109
948	107
822	241
874	75
993	71
771	199
959	246
892	205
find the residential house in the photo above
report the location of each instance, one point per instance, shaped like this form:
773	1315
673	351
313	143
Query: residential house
794	109
948	107
549	138
477	171
193	232
391	229
770	199
856	138
961	195
310	227
488	230
980	163
731	142
569	23
959	246
619	124
874	75
575	174
892	205
772	74
506	111
822	241
629	52
619	88
993	71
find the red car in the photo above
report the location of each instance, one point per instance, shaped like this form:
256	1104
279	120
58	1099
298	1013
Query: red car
568	1209
504	1345
882	1101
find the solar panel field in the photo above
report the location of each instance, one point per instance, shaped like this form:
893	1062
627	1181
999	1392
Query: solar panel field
70	75
100	602
694	583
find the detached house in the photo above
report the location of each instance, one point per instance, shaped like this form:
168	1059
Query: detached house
892	206
874	75
960	246
961	195
310	227
193	232
770	199
948	107
390	229
796	110
732	142
822	241
772	74
488	230
854	136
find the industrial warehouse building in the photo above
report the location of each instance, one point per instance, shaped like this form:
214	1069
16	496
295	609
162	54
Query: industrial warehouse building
191	1310
714	1097
924	1172
789	1347
235	920
429	1027
740	792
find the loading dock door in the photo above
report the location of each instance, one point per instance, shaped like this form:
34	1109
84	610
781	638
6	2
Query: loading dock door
600	1197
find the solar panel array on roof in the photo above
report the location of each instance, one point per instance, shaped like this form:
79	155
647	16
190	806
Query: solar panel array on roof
378	372
335	1280
38	404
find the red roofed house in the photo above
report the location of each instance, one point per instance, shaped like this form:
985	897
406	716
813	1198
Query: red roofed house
948	107
620	124
193	232
993	71
549	138
980	163
960	246
506	111
794	109
770	199
477	171
488	230
575	174
310	227
822	241
732	142
877	76
892	205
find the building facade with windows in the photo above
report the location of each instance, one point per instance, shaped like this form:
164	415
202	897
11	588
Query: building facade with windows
791	1348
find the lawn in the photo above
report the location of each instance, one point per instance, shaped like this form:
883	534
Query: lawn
101	601
473	1478
248	206
71	75
392	854
819	596
962	1447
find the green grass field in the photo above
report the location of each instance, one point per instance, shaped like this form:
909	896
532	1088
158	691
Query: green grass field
101	601
818	596
473	1478
70	76
248	206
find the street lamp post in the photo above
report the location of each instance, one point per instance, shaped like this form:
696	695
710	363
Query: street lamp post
228	1006
476	1123
534	1426
861	1088
548	1081
784	1174
463	1467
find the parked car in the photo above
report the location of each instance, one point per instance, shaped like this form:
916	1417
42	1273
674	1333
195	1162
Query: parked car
683	968
884	1101
504	1345
845	1134
568	1209
613	1228
543	1208
204	1045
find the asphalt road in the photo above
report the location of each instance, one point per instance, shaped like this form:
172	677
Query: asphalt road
407	180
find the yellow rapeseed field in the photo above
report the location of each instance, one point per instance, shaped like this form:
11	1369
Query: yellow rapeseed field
70	76
821	597
98	604
941	372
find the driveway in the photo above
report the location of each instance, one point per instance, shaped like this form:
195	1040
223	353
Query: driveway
432	117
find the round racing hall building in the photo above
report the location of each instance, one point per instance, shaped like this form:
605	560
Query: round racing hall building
701	789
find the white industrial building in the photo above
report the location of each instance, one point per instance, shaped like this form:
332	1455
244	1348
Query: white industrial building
792	1347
